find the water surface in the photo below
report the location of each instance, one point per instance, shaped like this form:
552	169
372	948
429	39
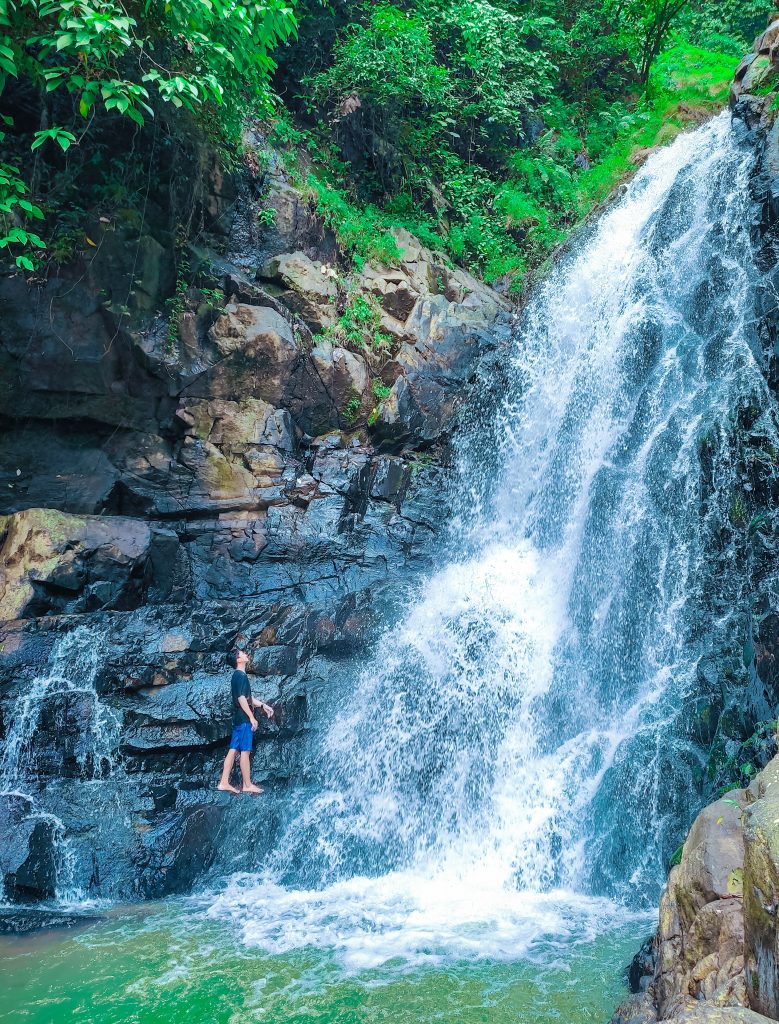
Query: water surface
173	963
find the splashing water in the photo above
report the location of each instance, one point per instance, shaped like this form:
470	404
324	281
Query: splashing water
73	668
513	765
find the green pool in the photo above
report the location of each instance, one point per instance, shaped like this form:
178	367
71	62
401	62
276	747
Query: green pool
171	962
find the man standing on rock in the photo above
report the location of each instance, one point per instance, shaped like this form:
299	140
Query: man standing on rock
244	725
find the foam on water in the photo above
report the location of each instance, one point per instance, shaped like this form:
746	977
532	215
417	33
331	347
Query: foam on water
513	768
416	918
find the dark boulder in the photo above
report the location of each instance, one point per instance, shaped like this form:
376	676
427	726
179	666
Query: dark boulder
28	862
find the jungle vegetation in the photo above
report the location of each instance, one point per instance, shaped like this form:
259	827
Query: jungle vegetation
488	127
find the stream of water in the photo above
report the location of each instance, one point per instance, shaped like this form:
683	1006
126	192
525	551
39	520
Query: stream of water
497	795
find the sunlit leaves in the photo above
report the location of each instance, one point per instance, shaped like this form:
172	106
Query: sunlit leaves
63	138
208	47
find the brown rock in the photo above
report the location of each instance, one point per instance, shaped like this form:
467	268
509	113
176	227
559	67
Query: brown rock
232	426
50	560
761	893
713	856
344	376
707	1014
255	356
310	290
398	300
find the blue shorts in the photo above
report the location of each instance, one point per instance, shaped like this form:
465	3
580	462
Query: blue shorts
242	737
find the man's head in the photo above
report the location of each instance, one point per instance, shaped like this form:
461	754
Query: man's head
238	658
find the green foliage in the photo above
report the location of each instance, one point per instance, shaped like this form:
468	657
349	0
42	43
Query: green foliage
15	210
214	297
185	53
360	325
738	511
644	25
106	59
380	390
728	26
490	129
351	412
360	232
757	523
487	128
677	857
177	304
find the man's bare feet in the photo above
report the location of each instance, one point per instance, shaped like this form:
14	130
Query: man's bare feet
228	789
254	790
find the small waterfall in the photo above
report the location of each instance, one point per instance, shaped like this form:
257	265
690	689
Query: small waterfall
515	763
58	725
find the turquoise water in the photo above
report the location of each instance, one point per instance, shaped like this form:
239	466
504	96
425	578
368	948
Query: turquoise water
171	963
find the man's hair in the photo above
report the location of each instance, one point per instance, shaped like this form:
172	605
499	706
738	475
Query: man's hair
232	657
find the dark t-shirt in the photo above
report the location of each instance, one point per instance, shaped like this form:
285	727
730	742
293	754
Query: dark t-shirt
240	688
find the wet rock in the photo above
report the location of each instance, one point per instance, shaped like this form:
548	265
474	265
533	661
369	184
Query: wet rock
295	227
52	561
26	920
642	967
716	942
433	371
178	848
28	866
398	299
636	1009
63	357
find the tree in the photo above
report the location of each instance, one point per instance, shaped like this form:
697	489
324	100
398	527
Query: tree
126	60
646	25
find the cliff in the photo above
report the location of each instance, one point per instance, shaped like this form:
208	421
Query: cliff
256	454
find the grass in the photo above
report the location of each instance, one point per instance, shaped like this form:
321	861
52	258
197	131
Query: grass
688	84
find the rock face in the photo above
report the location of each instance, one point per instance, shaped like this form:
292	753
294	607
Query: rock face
761	894
257	458
716	951
54	562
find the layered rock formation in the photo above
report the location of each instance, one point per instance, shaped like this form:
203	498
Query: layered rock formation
717	944
187	466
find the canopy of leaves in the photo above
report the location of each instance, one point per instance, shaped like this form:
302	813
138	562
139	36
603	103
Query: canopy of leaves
130	59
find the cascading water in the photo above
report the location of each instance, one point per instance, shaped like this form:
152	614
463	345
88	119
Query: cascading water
66	689
513	763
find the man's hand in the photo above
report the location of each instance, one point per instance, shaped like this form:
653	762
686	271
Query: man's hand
254	723
267	710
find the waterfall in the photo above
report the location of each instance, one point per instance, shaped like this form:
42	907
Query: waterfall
514	763
79	737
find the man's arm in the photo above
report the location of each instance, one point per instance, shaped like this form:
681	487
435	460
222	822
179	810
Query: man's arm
243	701
267	710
